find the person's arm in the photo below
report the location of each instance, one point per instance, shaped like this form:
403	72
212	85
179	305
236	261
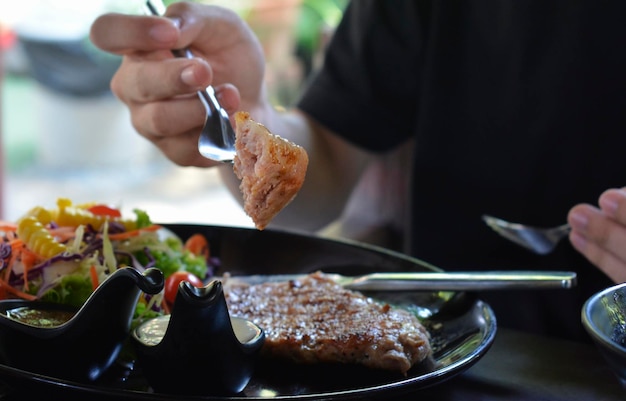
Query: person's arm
159	91
600	233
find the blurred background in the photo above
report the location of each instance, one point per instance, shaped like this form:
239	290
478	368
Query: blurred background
63	134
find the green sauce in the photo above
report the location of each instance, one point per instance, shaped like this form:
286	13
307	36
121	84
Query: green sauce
40	317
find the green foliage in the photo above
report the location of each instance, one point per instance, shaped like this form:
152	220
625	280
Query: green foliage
315	15
143	220
174	259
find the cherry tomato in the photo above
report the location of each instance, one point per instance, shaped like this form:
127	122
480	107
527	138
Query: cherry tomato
172	282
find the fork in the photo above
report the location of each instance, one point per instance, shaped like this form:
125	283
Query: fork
217	138
537	239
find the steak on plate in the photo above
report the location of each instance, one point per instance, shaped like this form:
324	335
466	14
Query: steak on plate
315	320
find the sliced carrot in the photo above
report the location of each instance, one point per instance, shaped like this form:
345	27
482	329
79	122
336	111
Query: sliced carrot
133	233
94	277
16	242
63	234
20	294
29	259
7	226
17	246
198	245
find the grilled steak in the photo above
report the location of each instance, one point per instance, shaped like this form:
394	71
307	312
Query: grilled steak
315	320
271	169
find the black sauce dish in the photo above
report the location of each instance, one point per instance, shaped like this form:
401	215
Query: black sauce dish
199	349
82	346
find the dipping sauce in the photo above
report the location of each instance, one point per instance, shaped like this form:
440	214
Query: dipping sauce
153	331
40	317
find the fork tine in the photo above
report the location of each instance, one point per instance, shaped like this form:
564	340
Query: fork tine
538	240
503	228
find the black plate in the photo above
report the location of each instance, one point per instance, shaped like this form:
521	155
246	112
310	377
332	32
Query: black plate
462	327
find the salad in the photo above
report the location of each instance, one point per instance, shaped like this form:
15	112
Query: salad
62	254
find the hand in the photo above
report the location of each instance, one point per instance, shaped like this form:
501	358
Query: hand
160	91
600	233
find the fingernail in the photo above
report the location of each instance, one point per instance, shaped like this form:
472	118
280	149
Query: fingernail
578	241
177	22
188	76
608	204
579	221
162	33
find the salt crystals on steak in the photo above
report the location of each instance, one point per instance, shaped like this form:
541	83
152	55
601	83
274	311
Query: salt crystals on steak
315	320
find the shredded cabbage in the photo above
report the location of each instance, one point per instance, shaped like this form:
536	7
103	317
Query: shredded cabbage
90	255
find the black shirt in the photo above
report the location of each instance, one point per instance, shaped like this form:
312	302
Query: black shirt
517	108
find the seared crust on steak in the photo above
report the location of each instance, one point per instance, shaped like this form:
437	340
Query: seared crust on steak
271	169
315	320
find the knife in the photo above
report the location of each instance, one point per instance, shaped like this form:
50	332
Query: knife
435	281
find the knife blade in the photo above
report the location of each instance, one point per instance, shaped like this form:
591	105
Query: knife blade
436	281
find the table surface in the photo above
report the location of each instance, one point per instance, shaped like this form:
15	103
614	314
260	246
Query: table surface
518	366
521	366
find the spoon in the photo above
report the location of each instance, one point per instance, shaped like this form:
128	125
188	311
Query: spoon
217	139
538	240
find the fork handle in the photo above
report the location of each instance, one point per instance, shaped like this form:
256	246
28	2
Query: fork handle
155	7
207	96
464	281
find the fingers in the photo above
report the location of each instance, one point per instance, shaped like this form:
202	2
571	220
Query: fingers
139	80
160	89
162	104
600	233
613	266
124	34
613	203
174	125
182	149
168	117
154	117
229	98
